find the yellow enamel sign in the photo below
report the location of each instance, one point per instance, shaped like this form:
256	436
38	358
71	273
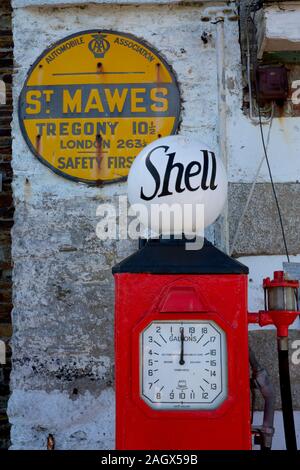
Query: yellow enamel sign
93	100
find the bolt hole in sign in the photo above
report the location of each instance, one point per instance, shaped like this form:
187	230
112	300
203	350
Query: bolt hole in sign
177	185
93	101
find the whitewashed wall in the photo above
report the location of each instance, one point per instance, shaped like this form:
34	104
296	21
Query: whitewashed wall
62	380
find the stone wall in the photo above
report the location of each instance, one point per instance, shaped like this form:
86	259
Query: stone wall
6	210
63	362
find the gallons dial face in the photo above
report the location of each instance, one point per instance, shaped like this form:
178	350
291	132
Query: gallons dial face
183	365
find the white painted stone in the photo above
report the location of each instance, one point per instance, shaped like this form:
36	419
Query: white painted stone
83	422
245	148
28	3
278	28
259	268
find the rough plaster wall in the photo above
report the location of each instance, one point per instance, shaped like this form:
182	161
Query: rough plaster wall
63	288
83	423
245	147
6	212
24	3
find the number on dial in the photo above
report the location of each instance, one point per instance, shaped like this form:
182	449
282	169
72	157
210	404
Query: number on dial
183	365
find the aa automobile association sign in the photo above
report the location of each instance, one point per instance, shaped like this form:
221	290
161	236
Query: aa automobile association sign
93	101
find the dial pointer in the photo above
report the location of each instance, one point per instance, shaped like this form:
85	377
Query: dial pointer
181	360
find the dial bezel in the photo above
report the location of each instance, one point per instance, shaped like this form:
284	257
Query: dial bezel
217	401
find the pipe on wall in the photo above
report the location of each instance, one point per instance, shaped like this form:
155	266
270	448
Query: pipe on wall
222	231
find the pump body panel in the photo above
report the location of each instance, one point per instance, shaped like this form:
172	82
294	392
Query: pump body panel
144	299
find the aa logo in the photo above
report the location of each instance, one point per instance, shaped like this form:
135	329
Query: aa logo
99	45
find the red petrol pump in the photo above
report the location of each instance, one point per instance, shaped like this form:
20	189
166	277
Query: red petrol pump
181	341
182	378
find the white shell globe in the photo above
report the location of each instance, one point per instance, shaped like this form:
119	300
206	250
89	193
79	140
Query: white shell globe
178	175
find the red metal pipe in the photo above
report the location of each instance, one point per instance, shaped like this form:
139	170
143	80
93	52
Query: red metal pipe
282	319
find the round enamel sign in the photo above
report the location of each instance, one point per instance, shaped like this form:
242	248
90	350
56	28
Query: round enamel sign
93	101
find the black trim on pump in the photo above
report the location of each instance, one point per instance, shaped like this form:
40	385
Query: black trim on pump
172	256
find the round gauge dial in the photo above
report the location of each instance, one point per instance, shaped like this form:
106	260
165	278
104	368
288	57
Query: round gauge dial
183	365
